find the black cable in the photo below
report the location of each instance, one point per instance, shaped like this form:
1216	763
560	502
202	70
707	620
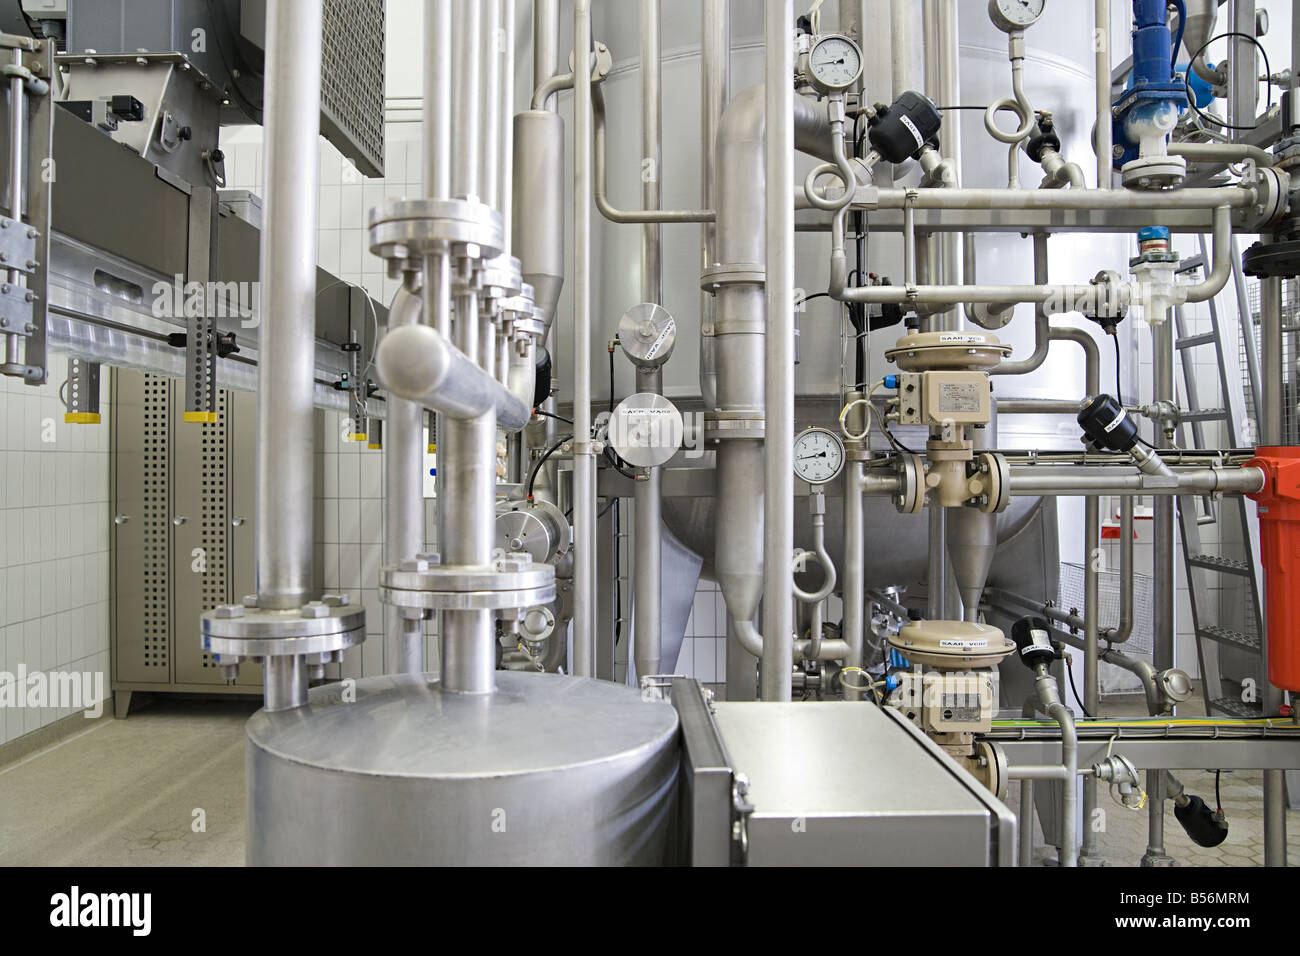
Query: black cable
1069	669
1218	800
1119	392
537	466
558	418
1187	83
611	381
618	584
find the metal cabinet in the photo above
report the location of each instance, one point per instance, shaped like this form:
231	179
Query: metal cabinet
182	533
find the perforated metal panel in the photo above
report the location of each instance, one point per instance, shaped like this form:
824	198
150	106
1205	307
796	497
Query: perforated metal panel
352	81
156	626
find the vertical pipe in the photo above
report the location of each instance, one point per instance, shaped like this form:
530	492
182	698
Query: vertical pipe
437	99
1272	426
648	502
489	106
937	569
1026	821
715	64
1092	606
944	85
584	461
546	44
778	545
505	120
1163	584
403	503
467	475
1243	84
466	121
287	342
854	586
1101	64
287	345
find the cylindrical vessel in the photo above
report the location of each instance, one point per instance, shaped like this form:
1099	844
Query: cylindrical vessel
549	770
1058	77
538	224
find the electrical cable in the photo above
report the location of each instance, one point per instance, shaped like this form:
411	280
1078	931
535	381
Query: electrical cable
1218	799
1069	669
537	465
558	418
1178	40
1187	84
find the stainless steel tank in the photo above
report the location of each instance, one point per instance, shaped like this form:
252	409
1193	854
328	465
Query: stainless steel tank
549	770
1058	77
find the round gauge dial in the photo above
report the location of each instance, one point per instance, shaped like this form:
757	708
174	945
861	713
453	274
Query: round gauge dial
834	62
1011	15
818	455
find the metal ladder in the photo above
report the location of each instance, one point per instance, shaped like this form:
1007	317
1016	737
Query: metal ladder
1224	580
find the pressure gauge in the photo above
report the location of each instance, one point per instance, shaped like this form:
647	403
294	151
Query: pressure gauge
818	455
834	63
1011	15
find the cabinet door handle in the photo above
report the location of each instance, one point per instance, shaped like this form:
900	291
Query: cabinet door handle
237	522
121	519
179	520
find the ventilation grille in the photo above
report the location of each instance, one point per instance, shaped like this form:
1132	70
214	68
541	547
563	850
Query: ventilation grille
352	81
157	521
215	528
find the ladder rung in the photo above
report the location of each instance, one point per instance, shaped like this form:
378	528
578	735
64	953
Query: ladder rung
1236	708
1187	416
1226	635
1192	341
1214	562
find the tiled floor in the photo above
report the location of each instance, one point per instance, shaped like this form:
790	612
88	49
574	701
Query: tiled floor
126	792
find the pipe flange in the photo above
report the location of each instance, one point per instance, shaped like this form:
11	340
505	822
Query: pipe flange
531	323
331	624
1272	189
732	273
514	582
725	426
501	279
996	474
409	228
911	496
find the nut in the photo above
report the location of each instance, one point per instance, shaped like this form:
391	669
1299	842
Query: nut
227	611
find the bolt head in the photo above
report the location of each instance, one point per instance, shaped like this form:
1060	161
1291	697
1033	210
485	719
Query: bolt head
249	600
227	611
336	600
315	609
414	564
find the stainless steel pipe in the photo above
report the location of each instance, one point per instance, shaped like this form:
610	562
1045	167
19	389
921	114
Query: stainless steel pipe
416	363
403	502
778	537
584	460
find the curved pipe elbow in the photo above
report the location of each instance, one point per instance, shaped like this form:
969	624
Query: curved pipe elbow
749	638
1221	270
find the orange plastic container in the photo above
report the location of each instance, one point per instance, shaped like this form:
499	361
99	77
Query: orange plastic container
1279	532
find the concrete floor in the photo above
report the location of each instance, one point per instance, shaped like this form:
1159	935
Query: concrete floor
125	792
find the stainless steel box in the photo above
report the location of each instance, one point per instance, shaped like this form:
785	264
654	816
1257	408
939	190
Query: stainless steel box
847	784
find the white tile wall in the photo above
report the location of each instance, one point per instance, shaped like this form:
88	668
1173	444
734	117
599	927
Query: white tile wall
53	541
